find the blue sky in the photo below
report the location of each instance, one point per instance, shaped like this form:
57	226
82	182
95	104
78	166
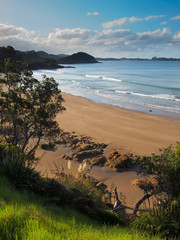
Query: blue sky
109	28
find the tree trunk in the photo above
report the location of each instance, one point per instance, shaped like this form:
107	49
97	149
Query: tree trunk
147	196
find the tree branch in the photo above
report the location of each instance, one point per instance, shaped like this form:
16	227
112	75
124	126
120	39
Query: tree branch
147	196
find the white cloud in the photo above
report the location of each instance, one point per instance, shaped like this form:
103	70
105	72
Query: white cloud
117	22
176	37
134	19
10	30
164	23
153	17
122	21
69	33
176	18
94	42
92	13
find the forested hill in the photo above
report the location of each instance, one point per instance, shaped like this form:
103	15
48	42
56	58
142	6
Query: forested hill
43	60
77	58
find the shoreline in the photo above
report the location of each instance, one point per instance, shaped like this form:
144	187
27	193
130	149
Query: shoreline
127	130
124	130
133	107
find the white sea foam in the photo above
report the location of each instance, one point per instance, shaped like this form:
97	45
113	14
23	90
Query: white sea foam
123	92
104	78
164	108
125	84
73	81
158	96
97	91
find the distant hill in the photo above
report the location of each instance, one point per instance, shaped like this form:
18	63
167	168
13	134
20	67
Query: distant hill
43	60
139	59
33	60
78	58
51	56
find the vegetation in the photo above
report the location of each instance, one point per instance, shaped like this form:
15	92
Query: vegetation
24	215
42	60
45	208
164	218
165	168
27	107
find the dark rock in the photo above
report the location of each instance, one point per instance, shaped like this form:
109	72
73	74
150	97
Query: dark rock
99	160
117	160
86	154
48	146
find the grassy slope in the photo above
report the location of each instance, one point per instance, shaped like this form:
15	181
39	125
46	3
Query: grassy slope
25	216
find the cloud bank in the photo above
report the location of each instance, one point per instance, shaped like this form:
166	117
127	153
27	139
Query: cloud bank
107	41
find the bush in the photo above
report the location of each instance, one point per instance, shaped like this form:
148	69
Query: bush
13	165
163	220
165	167
107	217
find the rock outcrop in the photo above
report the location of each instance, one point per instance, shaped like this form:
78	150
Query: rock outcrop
117	160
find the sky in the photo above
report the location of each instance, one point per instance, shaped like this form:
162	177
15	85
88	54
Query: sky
102	28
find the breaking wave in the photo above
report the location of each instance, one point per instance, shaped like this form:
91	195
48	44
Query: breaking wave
104	78
158	96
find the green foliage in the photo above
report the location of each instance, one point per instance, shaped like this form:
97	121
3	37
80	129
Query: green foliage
27	107
165	167
108	217
163	220
13	165
24	216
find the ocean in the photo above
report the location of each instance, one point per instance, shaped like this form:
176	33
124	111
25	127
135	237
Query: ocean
148	86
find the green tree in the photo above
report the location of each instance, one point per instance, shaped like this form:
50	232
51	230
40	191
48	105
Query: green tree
28	107
165	167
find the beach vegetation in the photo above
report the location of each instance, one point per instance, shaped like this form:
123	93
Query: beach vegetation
25	215
28	108
164	217
49	208
165	167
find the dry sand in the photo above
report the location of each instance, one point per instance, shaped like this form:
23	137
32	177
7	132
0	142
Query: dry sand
128	130
124	130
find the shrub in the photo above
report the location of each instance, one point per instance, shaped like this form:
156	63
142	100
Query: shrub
13	165
107	217
165	217
165	167
163	220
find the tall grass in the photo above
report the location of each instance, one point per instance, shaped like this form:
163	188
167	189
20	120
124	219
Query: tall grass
24	216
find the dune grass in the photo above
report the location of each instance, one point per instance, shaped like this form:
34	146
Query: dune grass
26	216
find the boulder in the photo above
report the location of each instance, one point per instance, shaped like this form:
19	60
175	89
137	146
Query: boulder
99	160
117	160
80	156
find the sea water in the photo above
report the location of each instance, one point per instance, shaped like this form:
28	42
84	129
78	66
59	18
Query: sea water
147	86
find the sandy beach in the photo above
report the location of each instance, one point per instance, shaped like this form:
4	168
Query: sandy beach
124	130
127	130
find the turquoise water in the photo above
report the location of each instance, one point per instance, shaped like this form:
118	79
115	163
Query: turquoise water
152	87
